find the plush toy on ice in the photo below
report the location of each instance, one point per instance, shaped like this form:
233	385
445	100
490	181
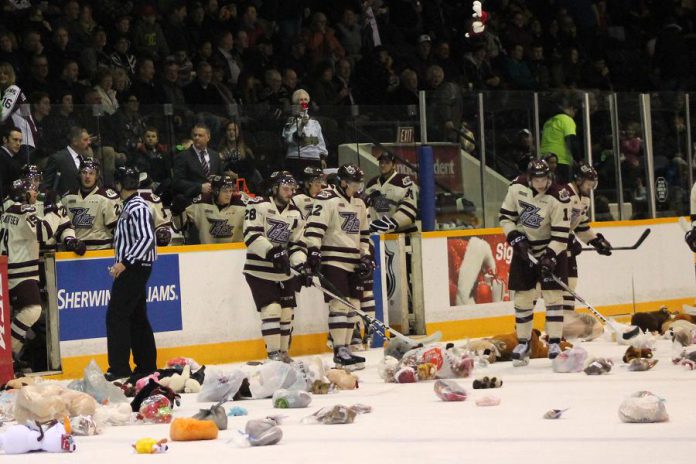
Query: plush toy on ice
478	26
150	446
54	437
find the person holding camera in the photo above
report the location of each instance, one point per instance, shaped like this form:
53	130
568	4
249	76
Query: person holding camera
304	139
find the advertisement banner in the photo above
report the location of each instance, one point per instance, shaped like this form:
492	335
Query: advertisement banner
446	160
478	269
84	290
6	371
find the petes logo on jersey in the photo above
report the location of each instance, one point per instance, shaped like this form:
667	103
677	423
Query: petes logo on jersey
529	216
351	223
278	231
219	228
82	218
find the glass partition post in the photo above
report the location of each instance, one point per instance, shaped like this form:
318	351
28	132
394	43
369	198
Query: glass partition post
537	124
648	146
616	141
482	155
689	143
423	117
588	142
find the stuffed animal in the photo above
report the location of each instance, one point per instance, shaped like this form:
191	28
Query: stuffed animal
48	401
19	383
150	446
651	321
182	382
539	348
55	438
342	379
154	388
215	413
636	353
478	25
189	429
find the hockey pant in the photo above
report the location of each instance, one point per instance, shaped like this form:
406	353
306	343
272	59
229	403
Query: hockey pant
21	323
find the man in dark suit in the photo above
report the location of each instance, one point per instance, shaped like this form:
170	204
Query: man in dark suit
192	167
61	173
10	161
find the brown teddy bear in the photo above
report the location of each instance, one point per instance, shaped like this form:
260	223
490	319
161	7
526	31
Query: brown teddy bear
540	349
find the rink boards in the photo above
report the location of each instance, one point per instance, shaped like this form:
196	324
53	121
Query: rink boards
203	307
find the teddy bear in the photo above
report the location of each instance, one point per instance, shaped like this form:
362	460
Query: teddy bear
181	382
478	25
539	348
652	321
49	401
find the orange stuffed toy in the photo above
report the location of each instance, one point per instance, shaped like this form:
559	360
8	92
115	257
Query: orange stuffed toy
188	429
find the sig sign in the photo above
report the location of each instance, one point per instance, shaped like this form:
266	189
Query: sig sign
84	291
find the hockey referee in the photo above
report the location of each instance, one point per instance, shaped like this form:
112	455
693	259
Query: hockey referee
127	325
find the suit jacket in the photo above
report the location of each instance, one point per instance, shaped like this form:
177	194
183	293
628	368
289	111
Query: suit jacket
10	171
61	174
188	171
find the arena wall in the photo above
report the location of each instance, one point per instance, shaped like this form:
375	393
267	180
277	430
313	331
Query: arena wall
204	309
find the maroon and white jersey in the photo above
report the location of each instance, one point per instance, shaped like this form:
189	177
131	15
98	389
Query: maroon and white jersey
15	106
394	197
543	217
22	233
94	215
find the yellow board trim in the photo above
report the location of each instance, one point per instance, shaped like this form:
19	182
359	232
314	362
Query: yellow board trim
498	230
63	255
246	350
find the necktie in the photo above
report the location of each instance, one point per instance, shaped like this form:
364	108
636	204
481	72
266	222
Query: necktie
204	163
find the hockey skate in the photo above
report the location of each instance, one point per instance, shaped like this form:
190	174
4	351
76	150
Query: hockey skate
344	360
286	357
356	342
276	356
359	362
554	350
520	354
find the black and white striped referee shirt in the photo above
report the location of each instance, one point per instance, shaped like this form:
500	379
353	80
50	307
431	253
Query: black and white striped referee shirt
134	237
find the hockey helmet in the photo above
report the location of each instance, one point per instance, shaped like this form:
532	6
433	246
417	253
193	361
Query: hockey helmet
312	173
31	172
90	164
219	182
584	171
350	173
279	178
128	177
19	189
537	168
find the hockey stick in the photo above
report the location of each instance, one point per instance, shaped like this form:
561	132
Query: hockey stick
380	326
626	331
638	243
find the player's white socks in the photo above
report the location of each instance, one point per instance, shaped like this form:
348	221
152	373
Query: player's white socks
338	323
554	322
23	320
568	304
352	319
270	326
286	317
523	322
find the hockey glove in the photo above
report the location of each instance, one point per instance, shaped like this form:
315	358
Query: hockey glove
575	247
366	267
163	236
75	245
383	225
313	260
601	244
304	278
180	204
690	238
547	263
519	243
279	257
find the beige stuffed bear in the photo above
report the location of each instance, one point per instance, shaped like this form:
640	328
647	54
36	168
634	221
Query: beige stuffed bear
49	401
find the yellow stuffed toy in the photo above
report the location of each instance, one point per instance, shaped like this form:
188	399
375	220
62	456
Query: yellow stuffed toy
150	446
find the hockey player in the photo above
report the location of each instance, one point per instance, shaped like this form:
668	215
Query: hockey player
585	180
392	198
535	217
690	236
163	222
48	202
218	217
273	233
312	184
337	240
93	210
22	232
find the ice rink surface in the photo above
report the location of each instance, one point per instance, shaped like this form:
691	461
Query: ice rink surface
409	424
